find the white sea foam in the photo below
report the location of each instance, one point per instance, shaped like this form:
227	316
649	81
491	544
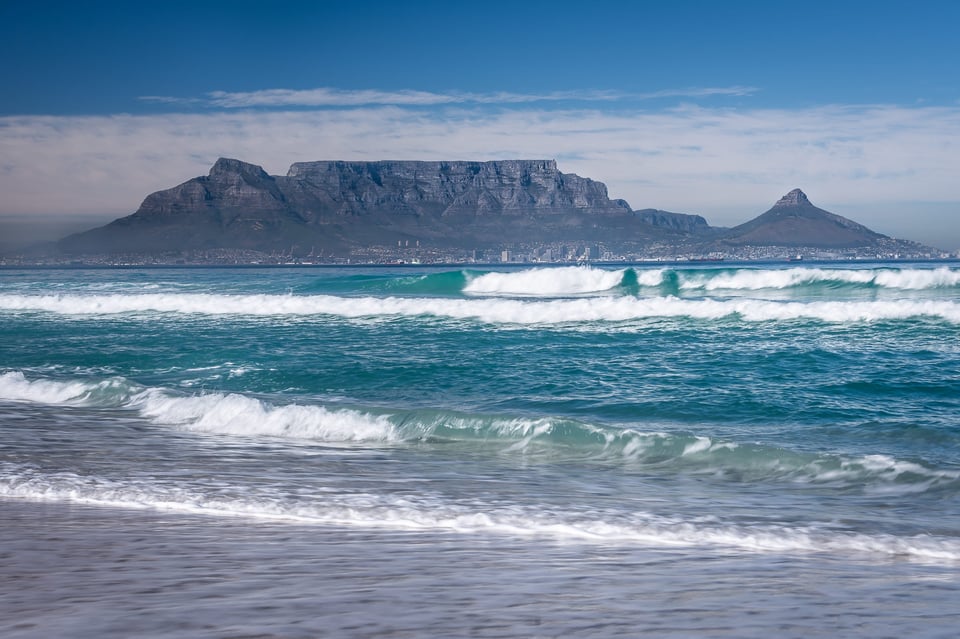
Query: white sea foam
650	277
228	414
545	282
918	278
433	513
875	474
495	311
240	415
759	279
233	414
16	387
887	475
700	445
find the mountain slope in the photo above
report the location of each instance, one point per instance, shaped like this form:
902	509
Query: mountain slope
336	206
795	221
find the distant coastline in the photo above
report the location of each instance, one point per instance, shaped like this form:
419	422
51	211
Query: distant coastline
490	265
401	211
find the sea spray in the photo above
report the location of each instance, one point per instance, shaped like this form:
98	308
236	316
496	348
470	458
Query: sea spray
756	279
545	282
553	439
495	311
107	393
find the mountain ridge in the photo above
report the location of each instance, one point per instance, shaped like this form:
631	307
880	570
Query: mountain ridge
339	207
794	221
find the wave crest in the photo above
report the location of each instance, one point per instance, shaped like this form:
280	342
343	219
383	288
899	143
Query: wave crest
493	311
427	513
545	282
749	279
549	438
15	386
227	414
235	414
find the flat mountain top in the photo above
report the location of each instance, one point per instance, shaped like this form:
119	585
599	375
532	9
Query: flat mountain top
336	208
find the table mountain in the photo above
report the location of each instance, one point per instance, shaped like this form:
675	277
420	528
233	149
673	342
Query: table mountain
335	206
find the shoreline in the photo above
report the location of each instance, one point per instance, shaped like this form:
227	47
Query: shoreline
86	571
461	265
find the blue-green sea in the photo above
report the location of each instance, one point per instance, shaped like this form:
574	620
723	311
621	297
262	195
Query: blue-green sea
700	450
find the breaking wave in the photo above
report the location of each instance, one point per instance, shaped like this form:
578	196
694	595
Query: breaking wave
494	311
222	413
14	386
545	282
431	513
547	438
759	279
572	281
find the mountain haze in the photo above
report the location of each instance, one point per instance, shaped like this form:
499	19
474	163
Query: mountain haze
333	208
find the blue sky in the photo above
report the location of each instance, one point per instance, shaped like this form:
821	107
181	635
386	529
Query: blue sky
715	108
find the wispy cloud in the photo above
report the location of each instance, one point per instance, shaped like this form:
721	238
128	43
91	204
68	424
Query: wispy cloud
690	159
695	92
171	100
331	97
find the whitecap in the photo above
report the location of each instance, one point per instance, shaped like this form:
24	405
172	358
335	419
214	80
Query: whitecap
545	282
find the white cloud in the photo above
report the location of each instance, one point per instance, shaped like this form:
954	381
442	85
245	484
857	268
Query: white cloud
728	165
331	97
701	92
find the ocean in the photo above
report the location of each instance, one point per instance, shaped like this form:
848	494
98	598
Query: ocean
699	450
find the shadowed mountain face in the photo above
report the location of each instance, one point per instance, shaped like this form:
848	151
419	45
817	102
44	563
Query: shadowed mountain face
336	206
693	224
795	221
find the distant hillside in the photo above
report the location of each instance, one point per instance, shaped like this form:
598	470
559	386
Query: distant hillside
795	221
692	224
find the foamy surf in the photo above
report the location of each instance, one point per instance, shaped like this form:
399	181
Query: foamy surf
431	513
492	311
756	279
549	439
234	414
657	440
219	413
14	386
545	282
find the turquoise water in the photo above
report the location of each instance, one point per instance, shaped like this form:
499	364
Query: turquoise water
777	439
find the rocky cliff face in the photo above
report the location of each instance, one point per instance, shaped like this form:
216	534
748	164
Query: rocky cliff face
231	187
333	208
794	198
508	186
337	205
685	223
